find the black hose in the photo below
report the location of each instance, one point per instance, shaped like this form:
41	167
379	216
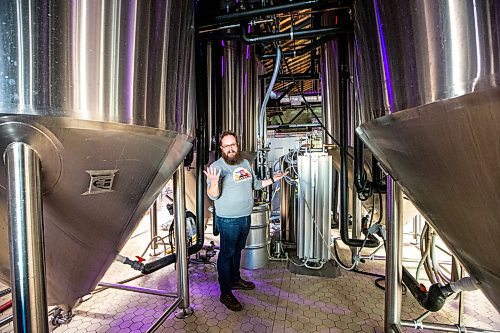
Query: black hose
343	101
5	292
363	186
433	299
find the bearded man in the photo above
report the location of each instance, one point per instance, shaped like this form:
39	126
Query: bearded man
231	181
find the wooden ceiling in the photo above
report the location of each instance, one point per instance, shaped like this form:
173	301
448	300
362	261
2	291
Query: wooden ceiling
295	65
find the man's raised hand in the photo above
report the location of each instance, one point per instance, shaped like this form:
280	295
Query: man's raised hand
212	174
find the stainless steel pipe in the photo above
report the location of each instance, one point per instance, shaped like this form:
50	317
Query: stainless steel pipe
180	243
153	219
444	327
393	271
26	238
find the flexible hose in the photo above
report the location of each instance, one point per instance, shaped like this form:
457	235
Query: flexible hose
262	116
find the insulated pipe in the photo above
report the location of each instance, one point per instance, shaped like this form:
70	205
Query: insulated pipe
26	238
394	218
344	124
292	34
262	116
180	241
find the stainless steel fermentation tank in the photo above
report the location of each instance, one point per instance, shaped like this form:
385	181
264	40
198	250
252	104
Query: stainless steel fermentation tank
241	97
101	92
435	67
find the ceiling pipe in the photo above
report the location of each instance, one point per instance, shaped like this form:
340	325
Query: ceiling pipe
271	10
294	77
292	34
303	50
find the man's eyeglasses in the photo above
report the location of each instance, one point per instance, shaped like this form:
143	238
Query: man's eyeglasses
232	145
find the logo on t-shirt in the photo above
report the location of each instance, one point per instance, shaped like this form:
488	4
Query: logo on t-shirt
241	174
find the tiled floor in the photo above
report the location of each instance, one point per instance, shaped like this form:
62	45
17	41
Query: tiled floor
282	301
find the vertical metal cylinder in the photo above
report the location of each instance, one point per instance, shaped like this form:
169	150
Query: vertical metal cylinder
26	239
329	83
239	88
180	238
356	222
153	219
393	270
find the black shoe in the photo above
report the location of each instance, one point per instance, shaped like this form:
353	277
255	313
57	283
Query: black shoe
231	302
242	284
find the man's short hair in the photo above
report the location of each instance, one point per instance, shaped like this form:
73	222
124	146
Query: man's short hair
226	133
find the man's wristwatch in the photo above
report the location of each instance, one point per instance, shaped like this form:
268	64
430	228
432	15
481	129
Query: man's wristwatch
272	178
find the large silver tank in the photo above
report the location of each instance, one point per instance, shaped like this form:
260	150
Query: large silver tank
92	86
439	62
241	97
314	206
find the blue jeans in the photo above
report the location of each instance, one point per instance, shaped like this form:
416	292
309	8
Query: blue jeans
233	237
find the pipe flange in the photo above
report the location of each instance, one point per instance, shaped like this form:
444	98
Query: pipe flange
41	140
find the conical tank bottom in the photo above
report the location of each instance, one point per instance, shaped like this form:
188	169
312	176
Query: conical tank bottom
446	157
98	181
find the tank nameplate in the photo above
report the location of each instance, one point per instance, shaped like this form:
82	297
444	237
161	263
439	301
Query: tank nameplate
101	181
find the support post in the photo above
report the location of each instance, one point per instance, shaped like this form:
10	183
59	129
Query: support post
26	239
393	272
153	219
180	244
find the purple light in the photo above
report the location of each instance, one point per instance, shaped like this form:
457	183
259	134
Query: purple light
245	84
388	80
248	46
222	66
356	74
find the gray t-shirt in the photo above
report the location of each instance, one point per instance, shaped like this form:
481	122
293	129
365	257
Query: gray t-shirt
236	185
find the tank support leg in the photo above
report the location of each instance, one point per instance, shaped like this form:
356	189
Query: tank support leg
26	238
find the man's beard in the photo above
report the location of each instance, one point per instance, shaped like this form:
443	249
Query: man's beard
236	159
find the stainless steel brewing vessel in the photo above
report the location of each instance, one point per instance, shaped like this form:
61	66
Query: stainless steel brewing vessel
434	66
241	96
102	92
